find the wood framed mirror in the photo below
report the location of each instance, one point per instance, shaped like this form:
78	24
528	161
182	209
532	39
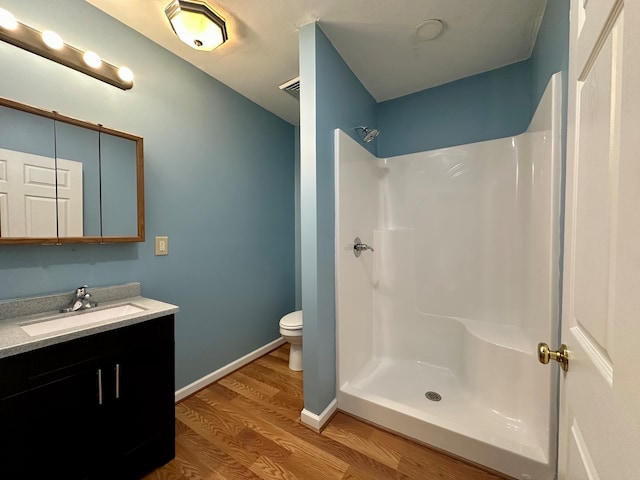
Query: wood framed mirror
64	180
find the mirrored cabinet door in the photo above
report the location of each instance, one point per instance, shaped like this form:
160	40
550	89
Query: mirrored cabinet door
27	176
78	168
118	176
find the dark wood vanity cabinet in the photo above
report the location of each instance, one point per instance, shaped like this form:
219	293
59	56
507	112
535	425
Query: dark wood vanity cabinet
98	407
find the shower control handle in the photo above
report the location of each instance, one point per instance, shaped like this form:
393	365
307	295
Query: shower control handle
359	247
561	355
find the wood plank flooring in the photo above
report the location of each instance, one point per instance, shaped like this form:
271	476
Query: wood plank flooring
247	426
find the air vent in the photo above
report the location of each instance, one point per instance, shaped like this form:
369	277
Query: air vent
292	87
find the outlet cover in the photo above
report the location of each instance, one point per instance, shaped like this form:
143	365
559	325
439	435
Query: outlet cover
162	245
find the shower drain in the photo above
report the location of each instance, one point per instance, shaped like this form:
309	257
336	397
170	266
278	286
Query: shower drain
433	396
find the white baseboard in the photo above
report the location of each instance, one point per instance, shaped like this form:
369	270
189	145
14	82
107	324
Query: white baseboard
227	369
317	422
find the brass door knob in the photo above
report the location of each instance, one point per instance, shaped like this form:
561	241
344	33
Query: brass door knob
561	355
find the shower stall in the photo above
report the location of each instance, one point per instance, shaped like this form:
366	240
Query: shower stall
437	326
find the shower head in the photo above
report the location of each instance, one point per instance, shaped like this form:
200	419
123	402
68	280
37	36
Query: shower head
367	134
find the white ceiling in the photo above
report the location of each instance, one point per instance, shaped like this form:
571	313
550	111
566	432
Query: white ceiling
377	39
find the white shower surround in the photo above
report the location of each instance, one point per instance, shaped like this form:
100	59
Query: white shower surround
463	284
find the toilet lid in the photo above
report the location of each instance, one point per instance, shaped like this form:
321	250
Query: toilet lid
292	320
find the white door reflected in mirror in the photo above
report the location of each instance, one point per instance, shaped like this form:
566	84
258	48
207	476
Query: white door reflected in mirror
28	196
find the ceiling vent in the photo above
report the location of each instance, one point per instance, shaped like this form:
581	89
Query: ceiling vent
292	87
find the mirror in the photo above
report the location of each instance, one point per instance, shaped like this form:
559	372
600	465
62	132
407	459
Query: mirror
64	180
119	186
78	174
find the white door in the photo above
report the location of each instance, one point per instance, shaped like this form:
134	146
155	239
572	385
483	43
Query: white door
28	196
600	394
70	198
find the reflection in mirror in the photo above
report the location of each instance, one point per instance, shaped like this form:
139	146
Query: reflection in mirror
27	175
64	180
78	181
119	185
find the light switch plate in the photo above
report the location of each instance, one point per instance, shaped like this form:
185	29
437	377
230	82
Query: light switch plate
162	245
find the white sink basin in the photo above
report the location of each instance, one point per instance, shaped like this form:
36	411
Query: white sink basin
86	317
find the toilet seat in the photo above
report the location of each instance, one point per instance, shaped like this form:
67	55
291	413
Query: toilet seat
292	321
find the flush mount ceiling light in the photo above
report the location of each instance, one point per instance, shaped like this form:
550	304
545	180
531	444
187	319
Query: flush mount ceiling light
50	45
196	24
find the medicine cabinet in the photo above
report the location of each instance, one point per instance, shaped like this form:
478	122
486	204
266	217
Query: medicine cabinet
64	180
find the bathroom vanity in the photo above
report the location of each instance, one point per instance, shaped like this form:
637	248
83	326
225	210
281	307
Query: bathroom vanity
92	402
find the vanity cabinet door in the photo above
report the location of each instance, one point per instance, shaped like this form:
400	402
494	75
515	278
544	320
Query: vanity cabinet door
143	433
52	430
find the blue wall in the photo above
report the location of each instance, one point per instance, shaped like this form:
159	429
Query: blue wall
489	105
551	52
332	97
551	55
224	200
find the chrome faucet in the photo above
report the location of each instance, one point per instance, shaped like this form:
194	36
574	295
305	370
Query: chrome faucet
80	300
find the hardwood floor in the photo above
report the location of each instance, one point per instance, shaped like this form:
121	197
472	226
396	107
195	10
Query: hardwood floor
247	425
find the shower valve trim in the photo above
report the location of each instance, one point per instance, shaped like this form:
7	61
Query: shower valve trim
359	247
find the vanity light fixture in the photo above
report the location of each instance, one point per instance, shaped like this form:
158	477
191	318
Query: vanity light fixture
92	59
52	40
125	74
196	24
50	45
7	20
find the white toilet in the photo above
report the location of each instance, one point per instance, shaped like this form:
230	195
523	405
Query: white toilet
291	330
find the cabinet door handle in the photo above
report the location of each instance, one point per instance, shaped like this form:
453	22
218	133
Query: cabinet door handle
117	380
99	386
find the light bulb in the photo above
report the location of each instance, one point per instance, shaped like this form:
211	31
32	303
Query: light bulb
125	74
7	20
52	40
92	59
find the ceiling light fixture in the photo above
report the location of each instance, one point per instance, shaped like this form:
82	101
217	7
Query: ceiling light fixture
50	45
196	24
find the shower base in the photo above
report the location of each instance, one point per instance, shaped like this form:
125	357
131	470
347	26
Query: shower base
392	394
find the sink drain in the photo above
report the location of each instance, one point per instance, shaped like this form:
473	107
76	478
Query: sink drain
433	396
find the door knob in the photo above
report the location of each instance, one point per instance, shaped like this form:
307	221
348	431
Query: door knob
561	355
